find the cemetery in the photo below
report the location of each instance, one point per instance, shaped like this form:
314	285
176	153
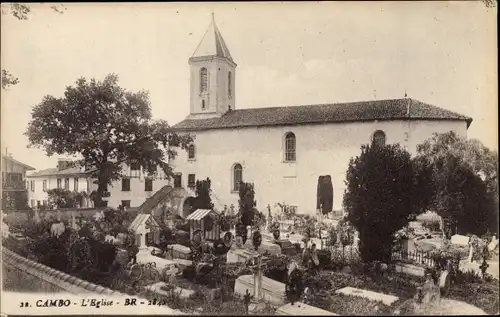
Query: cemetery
222	262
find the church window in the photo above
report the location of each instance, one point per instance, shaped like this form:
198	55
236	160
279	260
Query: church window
290	147
229	85
203	80
237	177
203	104
378	138
191	152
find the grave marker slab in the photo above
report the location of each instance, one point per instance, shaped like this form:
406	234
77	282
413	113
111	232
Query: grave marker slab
301	309
386	299
460	240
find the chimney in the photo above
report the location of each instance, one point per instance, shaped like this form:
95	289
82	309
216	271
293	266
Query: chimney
63	164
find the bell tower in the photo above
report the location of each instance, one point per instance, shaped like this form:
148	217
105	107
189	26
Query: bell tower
213	74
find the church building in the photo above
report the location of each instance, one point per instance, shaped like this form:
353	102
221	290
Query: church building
284	150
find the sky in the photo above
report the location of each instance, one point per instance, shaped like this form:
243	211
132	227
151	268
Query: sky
442	53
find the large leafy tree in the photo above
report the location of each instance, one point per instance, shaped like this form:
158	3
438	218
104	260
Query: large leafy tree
108	126
381	197
463	181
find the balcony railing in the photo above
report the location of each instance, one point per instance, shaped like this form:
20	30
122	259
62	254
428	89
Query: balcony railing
13	185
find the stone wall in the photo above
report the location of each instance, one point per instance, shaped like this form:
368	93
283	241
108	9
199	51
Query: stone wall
24	275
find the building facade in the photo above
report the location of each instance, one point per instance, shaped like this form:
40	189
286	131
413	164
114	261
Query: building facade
14	186
67	176
131	190
284	150
135	187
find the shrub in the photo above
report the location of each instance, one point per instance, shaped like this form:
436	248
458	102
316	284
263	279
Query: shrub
276	268
432	225
483	295
381	197
247	203
202	199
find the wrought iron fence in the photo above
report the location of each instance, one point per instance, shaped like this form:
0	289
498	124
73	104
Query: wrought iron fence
420	257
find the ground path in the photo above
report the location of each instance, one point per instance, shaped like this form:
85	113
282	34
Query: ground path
452	307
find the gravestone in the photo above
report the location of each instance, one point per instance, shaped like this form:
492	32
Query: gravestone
444	283
471	253
374	296
430	292
493	244
460	240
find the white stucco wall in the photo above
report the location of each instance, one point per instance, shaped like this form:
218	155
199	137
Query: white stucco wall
137	194
321	150
39	194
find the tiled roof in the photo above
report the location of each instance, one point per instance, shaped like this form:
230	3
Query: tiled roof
29	168
55	171
212	43
199	214
392	109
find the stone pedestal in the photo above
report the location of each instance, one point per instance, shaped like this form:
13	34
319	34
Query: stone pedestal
177	251
273	292
239	255
471	253
284	244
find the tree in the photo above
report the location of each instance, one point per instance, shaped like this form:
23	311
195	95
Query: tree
15	200
463	181
20	11
108	126
381	197
247	203
202	199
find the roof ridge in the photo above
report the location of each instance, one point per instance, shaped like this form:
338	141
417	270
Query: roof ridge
360	111
328	104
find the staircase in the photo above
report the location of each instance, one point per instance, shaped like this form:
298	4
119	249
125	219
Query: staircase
168	192
154	200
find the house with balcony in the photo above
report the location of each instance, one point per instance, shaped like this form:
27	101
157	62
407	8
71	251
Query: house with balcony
14	186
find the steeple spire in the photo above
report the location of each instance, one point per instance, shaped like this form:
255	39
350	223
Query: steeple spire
212	43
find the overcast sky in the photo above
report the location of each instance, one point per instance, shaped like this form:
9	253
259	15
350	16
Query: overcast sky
287	54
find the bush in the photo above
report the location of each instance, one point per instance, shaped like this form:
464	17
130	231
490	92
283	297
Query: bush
247	203
483	295
382	196
276	268
432	225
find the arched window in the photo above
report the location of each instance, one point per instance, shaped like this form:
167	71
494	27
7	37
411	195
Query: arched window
203	104
237	176
378	138
290	147
203	80
229	84
191	152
